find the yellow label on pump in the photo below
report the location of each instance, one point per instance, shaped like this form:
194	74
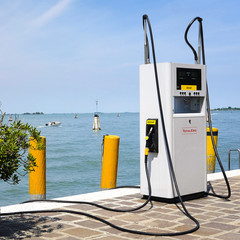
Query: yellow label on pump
151	122
189	87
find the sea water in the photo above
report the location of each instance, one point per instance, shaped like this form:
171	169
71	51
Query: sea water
74	151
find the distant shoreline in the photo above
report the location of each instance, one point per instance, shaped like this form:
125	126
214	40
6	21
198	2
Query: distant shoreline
41	113
35	113
226	109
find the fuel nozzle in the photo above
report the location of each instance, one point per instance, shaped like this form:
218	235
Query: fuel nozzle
151	136
148	141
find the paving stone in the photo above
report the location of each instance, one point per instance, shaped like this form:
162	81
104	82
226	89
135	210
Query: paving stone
194	205
126	203
109	238
34	238
187	237
231	217
57	225
220	226
205	231
215	214
131	217
204	217
160	216
119	222
161	224
195	211
133	236
226	205
67	238
70	218
90	224
221	220
80	207
111	230
104	213
50	214
52	235
161	238
82	232
231	211
230	236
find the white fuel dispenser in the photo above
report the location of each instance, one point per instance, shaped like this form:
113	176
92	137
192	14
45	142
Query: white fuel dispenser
183	96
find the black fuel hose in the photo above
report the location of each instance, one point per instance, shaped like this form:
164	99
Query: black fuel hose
103	207
171	169
95	217
208	105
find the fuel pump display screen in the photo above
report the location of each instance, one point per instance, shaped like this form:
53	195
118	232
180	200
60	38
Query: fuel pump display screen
189	79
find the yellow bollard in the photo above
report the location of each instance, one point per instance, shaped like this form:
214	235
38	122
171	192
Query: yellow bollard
211	157
37	178
110	161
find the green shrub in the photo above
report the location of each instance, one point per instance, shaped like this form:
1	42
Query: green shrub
14	145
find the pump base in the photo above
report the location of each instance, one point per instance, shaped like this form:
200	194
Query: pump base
176	199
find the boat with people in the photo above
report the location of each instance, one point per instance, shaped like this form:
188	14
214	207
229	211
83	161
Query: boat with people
53	124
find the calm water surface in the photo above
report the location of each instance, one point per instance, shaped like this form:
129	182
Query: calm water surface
74	151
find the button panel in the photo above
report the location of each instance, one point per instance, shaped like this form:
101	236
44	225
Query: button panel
189	93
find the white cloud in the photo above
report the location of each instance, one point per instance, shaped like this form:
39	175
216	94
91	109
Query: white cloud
52	13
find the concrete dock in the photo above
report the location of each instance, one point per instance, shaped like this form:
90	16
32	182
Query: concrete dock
219	218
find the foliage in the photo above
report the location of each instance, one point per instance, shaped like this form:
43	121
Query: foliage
14	144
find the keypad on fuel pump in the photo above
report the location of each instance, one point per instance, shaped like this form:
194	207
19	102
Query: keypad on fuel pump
194	93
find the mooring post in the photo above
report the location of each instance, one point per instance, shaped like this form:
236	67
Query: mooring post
37	178
211	156
110	161
96	122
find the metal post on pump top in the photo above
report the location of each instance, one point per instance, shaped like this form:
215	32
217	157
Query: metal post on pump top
146	45
199	45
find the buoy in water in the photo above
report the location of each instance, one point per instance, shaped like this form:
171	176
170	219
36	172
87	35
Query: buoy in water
96	122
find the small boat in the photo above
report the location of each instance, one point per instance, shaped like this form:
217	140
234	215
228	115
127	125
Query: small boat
53	124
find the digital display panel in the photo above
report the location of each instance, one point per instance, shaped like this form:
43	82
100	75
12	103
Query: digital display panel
189	79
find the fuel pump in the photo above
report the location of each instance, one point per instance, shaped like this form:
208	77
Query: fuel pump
176	94
183	91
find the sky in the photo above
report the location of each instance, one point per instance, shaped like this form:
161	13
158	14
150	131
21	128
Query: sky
60	56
